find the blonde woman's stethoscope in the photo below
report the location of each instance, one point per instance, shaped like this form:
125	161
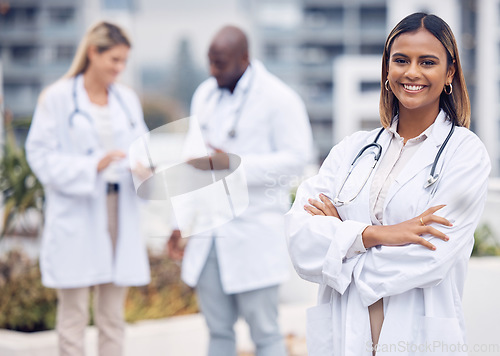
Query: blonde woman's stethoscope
79	113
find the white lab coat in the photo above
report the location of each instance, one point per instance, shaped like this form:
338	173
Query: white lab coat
274	142
421	289
76	247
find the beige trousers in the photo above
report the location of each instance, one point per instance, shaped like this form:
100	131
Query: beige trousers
109	300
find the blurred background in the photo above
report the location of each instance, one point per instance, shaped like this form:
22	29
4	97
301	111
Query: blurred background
329	51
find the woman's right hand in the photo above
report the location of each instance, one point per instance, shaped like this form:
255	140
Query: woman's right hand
111	156
407	232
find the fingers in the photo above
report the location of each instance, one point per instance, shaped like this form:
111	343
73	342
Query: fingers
429	219
425	243
202	163
318	205
216	149
116	155
313	211
174	249
220	160
429	230
332	211
432	210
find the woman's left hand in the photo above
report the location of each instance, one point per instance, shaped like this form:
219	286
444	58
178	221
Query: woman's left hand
324	207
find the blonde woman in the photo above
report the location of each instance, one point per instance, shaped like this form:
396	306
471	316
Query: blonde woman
77	147
386	228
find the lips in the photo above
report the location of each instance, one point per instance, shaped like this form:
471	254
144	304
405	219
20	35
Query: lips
413	87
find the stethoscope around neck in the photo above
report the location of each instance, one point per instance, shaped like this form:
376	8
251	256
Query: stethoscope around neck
433	177
77	111
232	133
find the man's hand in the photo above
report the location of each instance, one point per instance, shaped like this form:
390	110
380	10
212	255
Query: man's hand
218	160
175	248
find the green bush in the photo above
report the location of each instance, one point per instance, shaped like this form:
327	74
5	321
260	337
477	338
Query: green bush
165	296
26	305
19	187
485	243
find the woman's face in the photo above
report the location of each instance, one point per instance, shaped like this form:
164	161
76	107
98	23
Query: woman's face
109	64
418	70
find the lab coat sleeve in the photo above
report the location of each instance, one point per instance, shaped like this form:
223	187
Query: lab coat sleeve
318	244
56	169
385	271
292	140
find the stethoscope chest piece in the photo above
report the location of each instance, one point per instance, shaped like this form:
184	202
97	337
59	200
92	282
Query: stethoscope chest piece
431	180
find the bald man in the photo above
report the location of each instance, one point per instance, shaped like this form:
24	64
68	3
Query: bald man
237	268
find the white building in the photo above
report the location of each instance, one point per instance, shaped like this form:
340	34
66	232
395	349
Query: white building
486	107
38	40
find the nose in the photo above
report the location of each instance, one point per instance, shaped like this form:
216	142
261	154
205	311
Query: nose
120	66
413	70
214	72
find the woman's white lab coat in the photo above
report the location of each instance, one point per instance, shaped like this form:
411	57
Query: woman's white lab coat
76	247
421	289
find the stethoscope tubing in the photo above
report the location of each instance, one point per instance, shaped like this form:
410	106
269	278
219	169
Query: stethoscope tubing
433	177
232	133
77	110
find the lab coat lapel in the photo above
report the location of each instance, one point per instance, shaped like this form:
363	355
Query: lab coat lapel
423	158
361	209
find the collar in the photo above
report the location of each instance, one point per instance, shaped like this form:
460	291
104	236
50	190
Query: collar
437	131
243	83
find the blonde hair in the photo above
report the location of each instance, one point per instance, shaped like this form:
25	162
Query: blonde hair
457	104
103	35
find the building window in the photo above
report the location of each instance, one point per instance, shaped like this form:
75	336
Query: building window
370	86
64	52
271	51
317	17
373	17
61	15
372	49
24	54
30	14
313	55
279	15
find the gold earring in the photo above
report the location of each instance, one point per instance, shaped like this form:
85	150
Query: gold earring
386	85
449	91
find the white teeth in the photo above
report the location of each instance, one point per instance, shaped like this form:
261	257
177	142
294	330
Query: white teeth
413	87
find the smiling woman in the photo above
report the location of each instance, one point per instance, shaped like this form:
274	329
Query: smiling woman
391	259
431	54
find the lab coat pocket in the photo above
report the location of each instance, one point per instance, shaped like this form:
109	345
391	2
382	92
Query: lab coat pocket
442	336
320	330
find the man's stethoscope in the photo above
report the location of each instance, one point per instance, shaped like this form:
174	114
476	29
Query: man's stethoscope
237	115
433	177
79	112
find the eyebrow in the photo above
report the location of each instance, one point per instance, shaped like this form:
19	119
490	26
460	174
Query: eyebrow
421	57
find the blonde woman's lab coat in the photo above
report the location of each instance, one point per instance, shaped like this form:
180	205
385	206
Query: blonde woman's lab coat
274	143
76	247
421	289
